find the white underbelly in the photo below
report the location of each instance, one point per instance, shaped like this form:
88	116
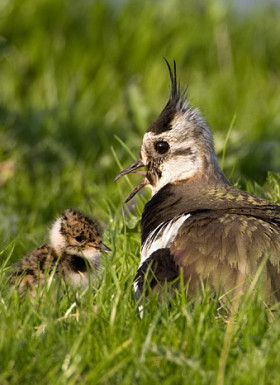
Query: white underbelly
79	279
162	236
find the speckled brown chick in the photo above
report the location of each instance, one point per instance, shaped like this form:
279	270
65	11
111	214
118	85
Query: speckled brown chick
73	252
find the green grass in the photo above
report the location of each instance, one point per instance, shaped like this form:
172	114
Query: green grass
80	83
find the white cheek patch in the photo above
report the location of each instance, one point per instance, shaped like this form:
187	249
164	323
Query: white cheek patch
179	168
56	239
92	255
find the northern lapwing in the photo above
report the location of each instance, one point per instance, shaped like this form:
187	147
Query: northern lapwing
196	220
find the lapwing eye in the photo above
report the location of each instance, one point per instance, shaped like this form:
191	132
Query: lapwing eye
80	238
161	147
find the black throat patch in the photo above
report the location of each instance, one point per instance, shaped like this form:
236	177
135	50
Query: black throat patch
78	263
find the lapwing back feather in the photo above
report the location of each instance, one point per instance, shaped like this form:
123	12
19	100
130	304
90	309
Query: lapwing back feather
227	249
196	196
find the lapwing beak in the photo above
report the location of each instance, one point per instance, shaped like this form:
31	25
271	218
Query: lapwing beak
142	184
134	166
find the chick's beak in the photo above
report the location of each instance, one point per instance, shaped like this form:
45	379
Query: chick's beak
100	246
104	248
134	166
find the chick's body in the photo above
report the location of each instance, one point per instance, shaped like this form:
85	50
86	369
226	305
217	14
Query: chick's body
73	252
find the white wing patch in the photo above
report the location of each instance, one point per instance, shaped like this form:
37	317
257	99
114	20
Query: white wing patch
162	236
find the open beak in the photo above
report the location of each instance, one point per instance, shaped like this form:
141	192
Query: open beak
129	169
134	166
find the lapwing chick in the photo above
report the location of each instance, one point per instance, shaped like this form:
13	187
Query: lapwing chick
73	252
196	220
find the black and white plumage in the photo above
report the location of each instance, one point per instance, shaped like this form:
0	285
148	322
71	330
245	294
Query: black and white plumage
196	220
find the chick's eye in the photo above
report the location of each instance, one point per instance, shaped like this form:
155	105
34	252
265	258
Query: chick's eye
161	147
80	238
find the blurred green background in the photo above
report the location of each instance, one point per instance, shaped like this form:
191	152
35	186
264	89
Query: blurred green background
80	81
76	74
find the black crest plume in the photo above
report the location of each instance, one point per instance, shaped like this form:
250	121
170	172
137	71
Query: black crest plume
174	104
175	93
